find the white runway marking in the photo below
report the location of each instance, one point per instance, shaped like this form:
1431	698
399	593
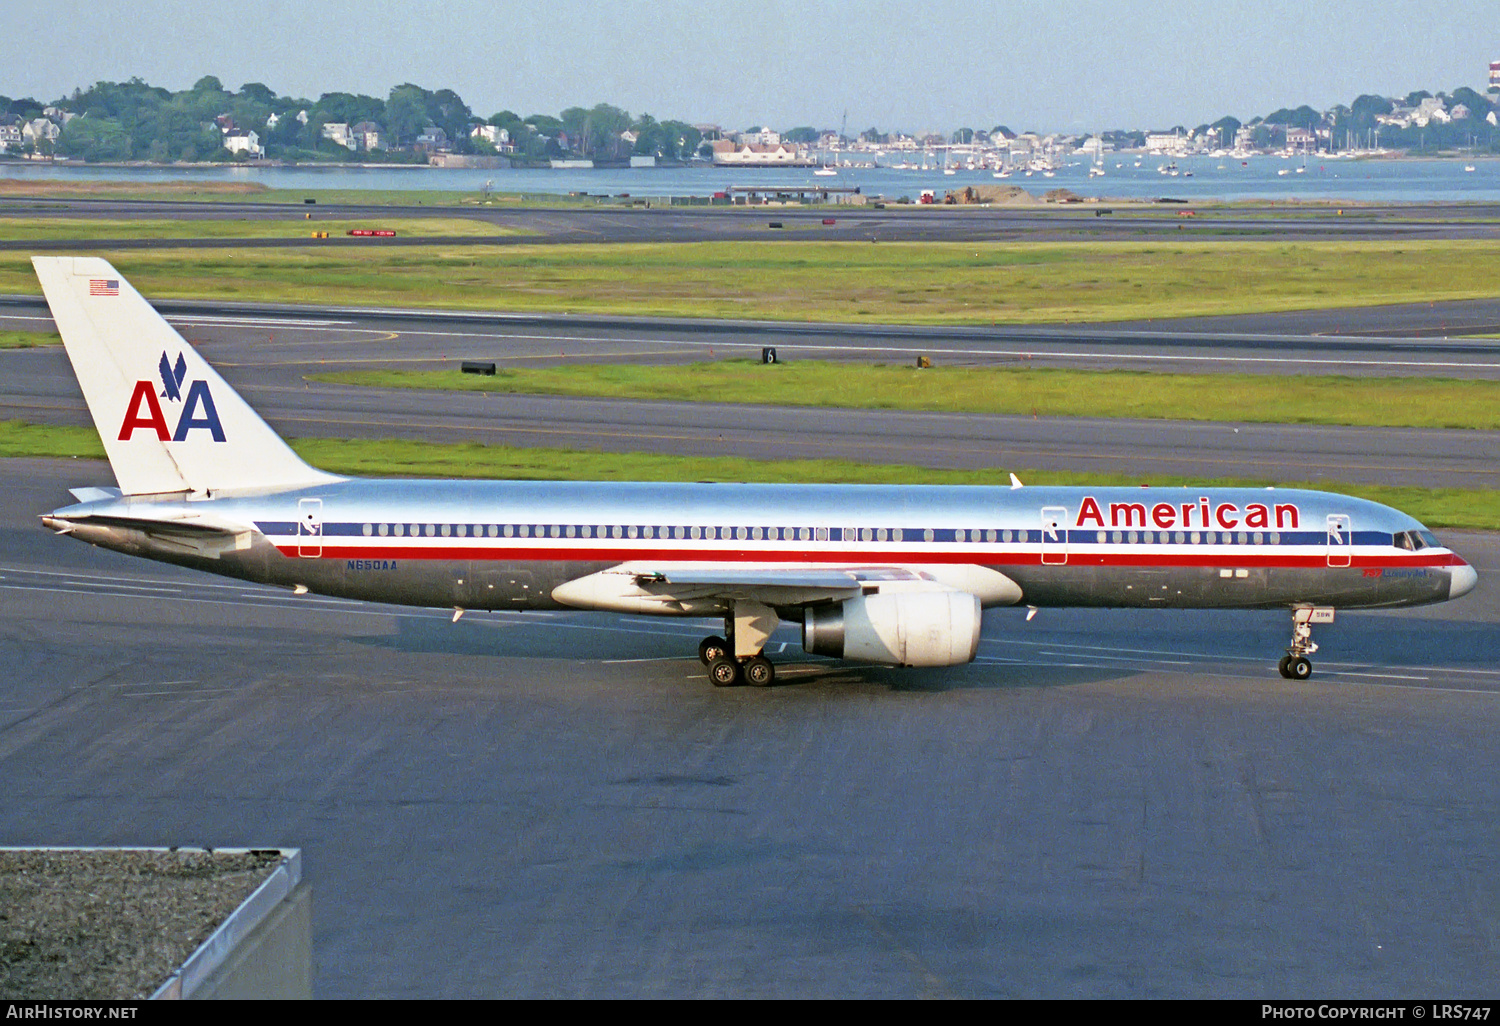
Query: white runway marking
1381	676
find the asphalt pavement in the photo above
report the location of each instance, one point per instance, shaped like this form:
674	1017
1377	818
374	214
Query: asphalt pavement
650	220
1105	804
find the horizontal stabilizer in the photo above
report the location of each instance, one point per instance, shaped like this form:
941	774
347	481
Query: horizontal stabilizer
95	494
204	536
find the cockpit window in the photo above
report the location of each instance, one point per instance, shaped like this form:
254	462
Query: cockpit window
1413	541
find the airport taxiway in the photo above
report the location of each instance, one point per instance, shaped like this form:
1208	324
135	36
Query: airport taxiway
1105	804
268	352
649	219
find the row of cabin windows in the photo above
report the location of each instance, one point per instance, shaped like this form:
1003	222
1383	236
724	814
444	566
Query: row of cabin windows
868	534
1188	537
878	534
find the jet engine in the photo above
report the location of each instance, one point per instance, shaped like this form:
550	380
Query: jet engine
929	628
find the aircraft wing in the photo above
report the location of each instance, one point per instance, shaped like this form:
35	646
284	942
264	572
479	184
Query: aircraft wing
697	588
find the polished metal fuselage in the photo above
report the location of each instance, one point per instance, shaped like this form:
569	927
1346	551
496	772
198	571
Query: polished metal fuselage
509	544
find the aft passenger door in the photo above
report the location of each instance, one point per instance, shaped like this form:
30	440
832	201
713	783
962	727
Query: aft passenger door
1340	539
1054	535
310	527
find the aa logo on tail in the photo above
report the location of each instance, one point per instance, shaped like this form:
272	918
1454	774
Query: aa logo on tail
171	377
198	409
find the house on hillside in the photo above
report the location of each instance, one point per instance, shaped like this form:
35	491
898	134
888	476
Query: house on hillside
1300	140
339	133
496	137
10	133
1431	109
433	140
369	136
39	130
246	142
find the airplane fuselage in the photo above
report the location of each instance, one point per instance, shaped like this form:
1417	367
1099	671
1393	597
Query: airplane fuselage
518	544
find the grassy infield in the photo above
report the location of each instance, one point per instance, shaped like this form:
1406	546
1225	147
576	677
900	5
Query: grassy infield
16	229
906	283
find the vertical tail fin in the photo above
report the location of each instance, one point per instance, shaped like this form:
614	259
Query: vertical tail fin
169	423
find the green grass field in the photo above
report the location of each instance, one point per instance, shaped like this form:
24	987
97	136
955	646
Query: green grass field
1437	507
910	283
28	339
1268	399
85	229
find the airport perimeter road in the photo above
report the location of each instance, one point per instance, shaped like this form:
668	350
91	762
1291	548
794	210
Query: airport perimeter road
1106	804
267	357
894	223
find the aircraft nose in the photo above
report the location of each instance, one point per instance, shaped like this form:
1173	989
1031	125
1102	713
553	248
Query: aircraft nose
1461	580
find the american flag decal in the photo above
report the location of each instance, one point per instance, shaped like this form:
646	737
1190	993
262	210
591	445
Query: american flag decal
104	286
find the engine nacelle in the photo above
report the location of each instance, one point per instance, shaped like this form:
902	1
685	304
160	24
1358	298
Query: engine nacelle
925	628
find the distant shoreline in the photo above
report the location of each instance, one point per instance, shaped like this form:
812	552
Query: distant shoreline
313	165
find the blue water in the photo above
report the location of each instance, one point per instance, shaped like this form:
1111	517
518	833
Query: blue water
1211	178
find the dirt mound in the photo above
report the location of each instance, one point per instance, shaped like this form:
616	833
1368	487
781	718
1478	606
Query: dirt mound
995	195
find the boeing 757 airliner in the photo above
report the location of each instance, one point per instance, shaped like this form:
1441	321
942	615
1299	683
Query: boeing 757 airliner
872	573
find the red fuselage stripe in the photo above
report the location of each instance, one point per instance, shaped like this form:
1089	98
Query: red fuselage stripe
1222	556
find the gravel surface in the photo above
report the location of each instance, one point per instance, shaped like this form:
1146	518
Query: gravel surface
112	924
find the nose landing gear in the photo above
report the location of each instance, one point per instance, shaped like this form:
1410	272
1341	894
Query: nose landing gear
1295	665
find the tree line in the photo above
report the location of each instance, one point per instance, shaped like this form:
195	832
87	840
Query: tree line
135	121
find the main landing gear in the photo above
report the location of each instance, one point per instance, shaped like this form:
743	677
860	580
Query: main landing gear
1295	665
739	659
726	671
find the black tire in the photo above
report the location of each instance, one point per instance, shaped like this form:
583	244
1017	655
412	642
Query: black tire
711	648
760	672
1285	666
724	672
1300	668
